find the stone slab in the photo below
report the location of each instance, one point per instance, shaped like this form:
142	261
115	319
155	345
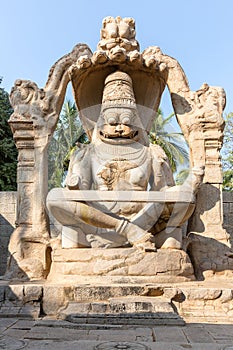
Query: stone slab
59	194
169	334
121	262
196	333
56	334
95	345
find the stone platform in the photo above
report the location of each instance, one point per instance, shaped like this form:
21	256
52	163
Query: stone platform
108	302
125	264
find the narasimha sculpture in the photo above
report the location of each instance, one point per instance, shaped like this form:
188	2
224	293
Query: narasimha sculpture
120	158
119	190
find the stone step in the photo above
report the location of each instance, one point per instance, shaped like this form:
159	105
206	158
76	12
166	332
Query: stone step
124	310
100	299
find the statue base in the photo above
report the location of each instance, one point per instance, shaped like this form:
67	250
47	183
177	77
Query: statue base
99	301
167	265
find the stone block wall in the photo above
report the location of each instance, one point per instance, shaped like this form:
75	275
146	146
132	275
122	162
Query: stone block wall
7	224
8	217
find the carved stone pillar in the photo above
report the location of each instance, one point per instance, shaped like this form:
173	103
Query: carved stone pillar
210	243
210	194
199	114
36	112
208	216
29	241
24	140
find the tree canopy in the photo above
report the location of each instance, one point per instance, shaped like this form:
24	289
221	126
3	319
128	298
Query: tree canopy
8	150
69	131
172	142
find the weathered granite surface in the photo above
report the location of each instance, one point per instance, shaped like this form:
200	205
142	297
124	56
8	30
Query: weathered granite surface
202	251
8	215
107	300
127	262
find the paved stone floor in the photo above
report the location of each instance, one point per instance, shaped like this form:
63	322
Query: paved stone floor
50	334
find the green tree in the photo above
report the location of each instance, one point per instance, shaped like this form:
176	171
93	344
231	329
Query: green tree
182	176
69	131
227	153
173	143
8	150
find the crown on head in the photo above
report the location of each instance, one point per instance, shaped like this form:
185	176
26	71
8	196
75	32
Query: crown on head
118	91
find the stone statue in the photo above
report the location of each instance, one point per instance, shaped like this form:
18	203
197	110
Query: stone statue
119	189
120	158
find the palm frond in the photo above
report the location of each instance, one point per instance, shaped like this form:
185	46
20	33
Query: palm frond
173	143
69	130
182	176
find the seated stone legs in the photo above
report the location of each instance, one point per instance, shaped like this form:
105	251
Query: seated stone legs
79	219
86	226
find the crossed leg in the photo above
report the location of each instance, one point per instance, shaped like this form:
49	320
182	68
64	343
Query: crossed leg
81	214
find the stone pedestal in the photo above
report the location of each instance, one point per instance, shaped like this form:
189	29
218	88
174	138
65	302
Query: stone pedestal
102	302
126	263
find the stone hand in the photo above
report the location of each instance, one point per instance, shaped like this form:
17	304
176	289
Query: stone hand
73	182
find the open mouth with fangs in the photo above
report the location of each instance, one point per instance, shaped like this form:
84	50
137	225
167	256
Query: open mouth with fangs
119	136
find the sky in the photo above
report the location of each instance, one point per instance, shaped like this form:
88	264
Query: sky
198	33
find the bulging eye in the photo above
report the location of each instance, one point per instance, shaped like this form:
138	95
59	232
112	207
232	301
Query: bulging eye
111	120
126	118
110	117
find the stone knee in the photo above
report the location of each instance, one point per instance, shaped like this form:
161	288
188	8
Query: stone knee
62	211
170	238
